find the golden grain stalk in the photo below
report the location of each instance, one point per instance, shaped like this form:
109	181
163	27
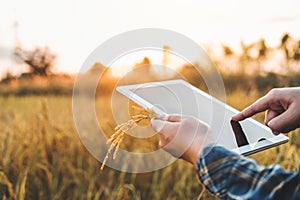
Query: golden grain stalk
116	139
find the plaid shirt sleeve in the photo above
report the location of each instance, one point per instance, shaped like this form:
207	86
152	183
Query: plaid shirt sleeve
232	176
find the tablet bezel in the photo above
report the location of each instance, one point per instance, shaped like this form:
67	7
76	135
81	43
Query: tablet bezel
128	91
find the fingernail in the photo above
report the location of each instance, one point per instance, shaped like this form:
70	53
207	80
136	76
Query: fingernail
163	117
270	123
275	132
234	118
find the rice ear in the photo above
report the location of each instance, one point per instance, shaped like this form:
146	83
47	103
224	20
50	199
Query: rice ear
117	138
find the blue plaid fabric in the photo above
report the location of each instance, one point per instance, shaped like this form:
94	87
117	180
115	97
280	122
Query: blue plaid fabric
231	176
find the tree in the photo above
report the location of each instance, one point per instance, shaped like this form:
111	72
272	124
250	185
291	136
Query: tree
39	60
227	51
7	78
262	48
283	45
246	51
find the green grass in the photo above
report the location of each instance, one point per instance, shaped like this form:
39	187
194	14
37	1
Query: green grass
43	158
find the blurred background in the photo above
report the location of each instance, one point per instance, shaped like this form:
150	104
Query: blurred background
255	45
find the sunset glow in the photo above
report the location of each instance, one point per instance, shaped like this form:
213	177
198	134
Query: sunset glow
72	29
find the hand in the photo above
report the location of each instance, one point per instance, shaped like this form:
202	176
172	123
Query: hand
282	106
183	136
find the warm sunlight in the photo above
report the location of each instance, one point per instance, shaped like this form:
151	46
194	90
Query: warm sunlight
124	63
73	29
125	87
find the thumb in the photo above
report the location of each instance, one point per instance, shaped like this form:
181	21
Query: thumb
157	124
166	130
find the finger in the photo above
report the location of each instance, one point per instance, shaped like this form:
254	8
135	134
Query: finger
258	106
163	127
163	117
285	122
174	118
270	114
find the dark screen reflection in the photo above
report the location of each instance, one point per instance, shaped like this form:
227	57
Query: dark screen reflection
240	136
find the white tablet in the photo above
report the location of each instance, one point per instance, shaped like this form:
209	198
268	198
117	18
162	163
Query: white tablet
178	96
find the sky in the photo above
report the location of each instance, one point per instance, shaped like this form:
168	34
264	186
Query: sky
74	28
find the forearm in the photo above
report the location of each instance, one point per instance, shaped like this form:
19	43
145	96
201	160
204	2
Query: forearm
229	175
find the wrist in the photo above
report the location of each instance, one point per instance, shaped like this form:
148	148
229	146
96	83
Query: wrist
194	158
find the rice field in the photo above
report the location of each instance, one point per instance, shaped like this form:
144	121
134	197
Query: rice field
42	156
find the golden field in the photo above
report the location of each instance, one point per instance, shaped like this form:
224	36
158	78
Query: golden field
42	156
